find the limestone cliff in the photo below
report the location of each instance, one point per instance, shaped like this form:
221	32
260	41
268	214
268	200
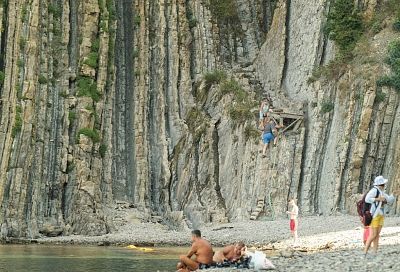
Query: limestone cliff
154	104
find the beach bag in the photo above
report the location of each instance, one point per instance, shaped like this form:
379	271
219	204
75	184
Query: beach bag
260	262
364	210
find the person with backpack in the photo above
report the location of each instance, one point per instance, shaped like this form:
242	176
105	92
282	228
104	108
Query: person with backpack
379	201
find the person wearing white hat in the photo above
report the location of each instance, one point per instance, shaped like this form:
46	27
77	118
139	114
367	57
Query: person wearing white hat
378	200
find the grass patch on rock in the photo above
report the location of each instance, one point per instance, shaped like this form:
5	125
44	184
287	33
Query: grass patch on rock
55	10
251	133
18	122
102	150
233	87
92	60
214	77
87	87
240	113
224	10
2	77
90	133
42	79
197	123
71	116
327	106
380	96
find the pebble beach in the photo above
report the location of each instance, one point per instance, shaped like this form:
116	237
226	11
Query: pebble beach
325	244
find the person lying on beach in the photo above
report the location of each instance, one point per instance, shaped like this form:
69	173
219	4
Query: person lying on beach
230	253
202	251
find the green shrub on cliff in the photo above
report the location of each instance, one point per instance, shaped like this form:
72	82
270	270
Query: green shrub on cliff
24	13
102	150
18	122
71	116
22	43
327	106
111	10
192	21
380	96
197	123
92	60
233	87
240	113
87	87
90	133
2	77
55	10
95	45
20	63
344	26
224	10
136	20
396	26
42	79
393	60
251	133
214	77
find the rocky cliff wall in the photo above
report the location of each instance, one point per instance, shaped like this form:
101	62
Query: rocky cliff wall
106	101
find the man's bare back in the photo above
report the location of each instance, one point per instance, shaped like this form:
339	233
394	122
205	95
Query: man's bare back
203	251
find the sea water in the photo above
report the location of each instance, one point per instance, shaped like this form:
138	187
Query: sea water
57	258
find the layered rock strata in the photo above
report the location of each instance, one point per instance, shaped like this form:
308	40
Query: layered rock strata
106	102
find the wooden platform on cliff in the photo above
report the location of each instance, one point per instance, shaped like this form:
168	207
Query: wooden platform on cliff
290	120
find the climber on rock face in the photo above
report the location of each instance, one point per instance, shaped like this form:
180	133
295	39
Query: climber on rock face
268	134
264	110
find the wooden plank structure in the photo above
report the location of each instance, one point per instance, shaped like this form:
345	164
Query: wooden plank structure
287	119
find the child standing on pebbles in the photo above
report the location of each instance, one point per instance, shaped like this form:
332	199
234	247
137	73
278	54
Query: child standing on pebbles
294	212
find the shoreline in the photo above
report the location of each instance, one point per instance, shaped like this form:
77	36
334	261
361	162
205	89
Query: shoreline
332	242
341	231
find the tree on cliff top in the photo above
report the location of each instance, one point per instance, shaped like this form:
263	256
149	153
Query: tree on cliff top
344	26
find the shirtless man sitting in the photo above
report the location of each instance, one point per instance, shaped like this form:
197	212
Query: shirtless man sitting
203	252
230	253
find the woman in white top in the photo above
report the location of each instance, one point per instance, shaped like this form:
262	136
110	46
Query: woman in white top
378	200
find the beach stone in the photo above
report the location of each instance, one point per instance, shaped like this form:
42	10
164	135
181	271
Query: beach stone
287	253
51	230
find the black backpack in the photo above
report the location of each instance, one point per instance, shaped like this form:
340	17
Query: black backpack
364	209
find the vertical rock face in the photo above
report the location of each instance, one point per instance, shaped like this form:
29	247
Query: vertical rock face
105	101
